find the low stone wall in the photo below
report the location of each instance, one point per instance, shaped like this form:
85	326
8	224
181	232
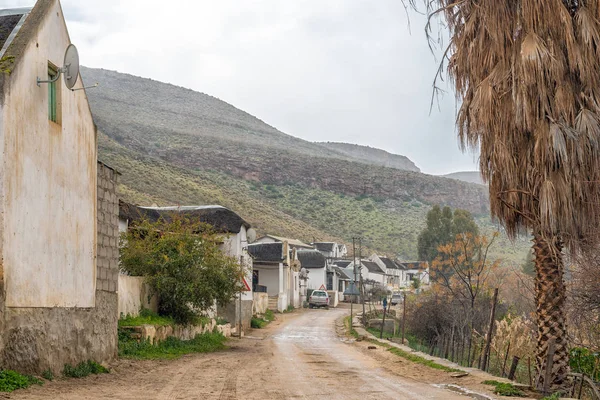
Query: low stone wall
156	334
260	303
333	298
134	295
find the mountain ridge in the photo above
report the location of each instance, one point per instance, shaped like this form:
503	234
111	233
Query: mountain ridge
177	146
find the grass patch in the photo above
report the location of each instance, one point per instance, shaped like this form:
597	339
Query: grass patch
554	396
258	323
11	381
171	347
48	375
351	330
404	354
146	317
84	369
421	360
290	308
269	316
504	389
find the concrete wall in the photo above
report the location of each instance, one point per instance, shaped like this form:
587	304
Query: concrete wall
134	295
35	339
48	180
269	277
231	313
316	278
261	303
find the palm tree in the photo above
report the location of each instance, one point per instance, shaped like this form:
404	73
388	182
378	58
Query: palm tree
527	74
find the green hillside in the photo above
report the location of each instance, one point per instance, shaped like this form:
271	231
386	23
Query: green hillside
176	146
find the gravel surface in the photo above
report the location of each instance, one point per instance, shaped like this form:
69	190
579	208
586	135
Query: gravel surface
298	356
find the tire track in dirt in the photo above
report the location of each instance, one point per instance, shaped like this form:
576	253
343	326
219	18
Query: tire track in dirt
229	391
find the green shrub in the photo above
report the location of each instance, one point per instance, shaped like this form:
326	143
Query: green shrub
84	369
269	316
585	361
258	323
11	381
48	375
183	263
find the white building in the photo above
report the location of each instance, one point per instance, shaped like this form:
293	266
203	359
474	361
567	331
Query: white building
234	233
53	295
276	271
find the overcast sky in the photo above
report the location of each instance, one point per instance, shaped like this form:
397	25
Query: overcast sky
322	70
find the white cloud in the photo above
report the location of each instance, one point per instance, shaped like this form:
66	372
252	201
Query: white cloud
337	70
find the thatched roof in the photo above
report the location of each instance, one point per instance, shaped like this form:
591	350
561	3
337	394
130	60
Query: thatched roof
292	242
220	218
311	259
373	267
325	246
266	252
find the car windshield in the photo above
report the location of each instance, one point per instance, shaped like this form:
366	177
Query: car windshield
319	294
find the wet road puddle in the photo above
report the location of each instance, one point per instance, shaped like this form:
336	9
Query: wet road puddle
463	391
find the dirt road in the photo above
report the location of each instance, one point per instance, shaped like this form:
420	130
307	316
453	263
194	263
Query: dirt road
299	356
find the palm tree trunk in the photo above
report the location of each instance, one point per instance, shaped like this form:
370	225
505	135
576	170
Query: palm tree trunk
550	311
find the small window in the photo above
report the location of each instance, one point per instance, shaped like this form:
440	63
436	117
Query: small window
53	95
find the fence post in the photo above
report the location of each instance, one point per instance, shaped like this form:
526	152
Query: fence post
505	360
513	368
488	343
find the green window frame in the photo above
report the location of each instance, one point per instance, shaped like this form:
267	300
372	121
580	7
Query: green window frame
52	95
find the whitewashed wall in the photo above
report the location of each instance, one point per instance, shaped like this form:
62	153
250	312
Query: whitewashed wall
133	296
48	182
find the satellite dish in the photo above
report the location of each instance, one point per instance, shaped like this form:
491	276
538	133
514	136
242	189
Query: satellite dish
71	66
251	235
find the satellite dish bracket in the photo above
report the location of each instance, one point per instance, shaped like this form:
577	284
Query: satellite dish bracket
85	87
57	77
69	70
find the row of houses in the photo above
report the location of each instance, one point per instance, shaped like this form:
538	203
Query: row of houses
287	269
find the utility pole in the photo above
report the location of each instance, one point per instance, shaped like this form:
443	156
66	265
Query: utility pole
403	315
362	286
240	300
354	267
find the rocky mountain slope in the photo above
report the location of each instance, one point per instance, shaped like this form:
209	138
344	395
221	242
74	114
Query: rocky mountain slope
372	155
466	176
176	146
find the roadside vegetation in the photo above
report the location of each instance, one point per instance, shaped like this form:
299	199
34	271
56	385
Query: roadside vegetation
83	369
183	264
399	352
505	389
262	321
11	381
146	317
171	347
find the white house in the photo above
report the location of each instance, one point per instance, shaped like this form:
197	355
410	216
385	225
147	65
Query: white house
234	233
58	278
276	271
415	270
316	265
393	270
292	243
371	272
330	250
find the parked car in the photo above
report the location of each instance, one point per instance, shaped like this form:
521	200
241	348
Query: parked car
396	299
318	298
